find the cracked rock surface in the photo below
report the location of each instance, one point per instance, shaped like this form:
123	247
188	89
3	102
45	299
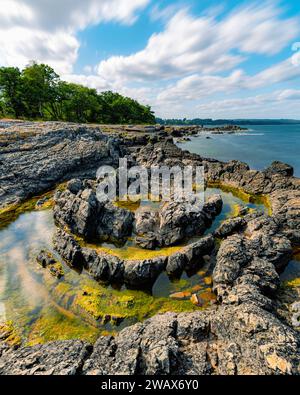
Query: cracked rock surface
242	334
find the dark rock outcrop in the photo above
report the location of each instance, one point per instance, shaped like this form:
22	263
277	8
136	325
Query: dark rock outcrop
81	211
190	257
229	227
175	222
36	157
135	273
143	272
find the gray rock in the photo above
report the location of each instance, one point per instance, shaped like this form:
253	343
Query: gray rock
242	340
37	156
84	215
68	249
190	257
251	263
229	227
280	168
103	267
115	223
175	221
58	358
140	273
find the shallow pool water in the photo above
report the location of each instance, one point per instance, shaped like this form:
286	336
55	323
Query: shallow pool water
45	308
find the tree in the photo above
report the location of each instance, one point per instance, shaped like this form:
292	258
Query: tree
11	91
38	93
119	109
40	82
79	104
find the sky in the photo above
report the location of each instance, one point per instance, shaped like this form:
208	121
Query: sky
185	58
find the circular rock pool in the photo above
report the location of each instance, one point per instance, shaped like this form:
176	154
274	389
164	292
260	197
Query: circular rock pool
43	307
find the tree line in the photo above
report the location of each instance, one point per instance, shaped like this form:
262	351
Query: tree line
38	93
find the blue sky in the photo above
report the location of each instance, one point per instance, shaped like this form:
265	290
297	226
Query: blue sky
186	58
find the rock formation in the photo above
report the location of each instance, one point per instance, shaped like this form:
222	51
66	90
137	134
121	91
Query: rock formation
242	334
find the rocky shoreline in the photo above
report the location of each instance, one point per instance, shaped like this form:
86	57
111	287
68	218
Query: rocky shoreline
244	333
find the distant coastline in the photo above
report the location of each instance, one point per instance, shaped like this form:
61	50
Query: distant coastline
207	122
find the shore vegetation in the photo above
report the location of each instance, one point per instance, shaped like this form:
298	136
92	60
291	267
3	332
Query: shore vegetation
38	93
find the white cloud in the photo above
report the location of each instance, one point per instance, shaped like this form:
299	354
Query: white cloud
163	13
19	45
283	103
198	86
271	105
195	86
91	81
190	45
281	72
46	30
289	94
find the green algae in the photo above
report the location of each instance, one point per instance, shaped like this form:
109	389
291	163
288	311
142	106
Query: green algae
262	200
295	283
237	192
108	305
235	211
53	326
130	252
180	283
9	334
243	195
10	213
128	205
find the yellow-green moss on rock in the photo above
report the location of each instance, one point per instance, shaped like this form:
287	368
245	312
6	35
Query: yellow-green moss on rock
9	334
244	196
11	212
295	283
52	326
105	305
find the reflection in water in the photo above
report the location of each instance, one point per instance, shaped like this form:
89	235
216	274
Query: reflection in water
44	308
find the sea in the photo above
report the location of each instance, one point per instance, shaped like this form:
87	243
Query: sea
259	146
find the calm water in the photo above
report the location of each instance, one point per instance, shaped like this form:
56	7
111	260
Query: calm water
258	147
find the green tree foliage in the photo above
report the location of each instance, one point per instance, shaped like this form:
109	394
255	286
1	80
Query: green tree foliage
39	82
38	93
11	91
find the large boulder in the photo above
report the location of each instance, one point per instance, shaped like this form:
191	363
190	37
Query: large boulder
230	226
190	257
143	272
280	168
175	222
79	209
